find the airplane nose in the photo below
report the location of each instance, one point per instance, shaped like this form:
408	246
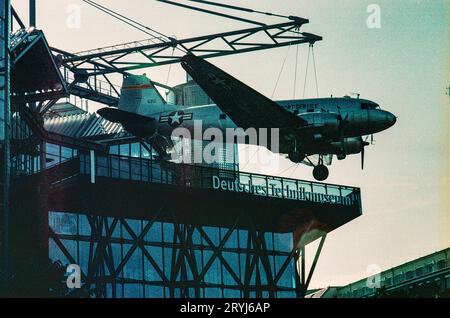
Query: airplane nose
391	119
380	120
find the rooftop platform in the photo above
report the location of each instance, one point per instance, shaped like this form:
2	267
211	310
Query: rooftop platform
35	75
147	189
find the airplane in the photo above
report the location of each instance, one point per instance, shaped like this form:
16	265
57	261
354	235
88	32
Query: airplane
320	127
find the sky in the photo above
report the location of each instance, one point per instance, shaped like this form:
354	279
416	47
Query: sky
403	65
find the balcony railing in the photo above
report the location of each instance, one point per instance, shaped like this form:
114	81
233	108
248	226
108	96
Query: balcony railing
201	177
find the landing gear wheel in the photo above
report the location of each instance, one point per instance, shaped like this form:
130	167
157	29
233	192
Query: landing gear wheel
296	156
320	173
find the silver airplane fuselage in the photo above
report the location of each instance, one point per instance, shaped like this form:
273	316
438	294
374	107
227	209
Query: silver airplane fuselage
329	120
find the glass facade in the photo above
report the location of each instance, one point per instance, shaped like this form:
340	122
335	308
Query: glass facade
151	270
4	136
4	43
125	257
153	259
56	154
25	148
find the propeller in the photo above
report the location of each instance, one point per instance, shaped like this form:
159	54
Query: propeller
343	121
362	158
363	146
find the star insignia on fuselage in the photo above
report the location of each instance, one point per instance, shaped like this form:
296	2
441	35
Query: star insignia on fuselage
175	118
217	81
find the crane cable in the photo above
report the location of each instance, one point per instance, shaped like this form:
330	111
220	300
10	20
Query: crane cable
251	157
315	70
311	52
134	24
295	72
287	169
281	71
239	8
306	73
168	73
126	20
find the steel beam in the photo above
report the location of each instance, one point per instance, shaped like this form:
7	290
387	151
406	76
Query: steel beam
5	127
32	6
187	275
234	42
88	71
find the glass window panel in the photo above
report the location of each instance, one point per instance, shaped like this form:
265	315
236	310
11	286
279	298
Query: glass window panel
117	253
133	291
115	167
66	153
168	232
232	293
136	226
150	273
114	150
52	156
154	233
135	150
167	260
55	254
232	260
145	153
268	238
156	172
124	150
213	234
135	170
232	241
243	238
124	169
84	256
154	292
286	294
119	290
133	267
102	166
84	226
145	171
213	293
72	248
63	223
283	242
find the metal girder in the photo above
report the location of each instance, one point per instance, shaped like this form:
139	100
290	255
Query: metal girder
5	132
87	72
117	60
188	264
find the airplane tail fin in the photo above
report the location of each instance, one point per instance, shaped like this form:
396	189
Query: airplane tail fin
140	96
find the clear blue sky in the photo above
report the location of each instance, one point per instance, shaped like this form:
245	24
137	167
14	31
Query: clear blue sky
404	66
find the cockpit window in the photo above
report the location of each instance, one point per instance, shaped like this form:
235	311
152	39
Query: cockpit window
369	106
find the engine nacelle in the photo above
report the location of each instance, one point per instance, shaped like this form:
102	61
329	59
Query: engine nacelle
347	147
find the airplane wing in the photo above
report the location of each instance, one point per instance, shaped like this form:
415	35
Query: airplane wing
142	127
245	106
123	117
